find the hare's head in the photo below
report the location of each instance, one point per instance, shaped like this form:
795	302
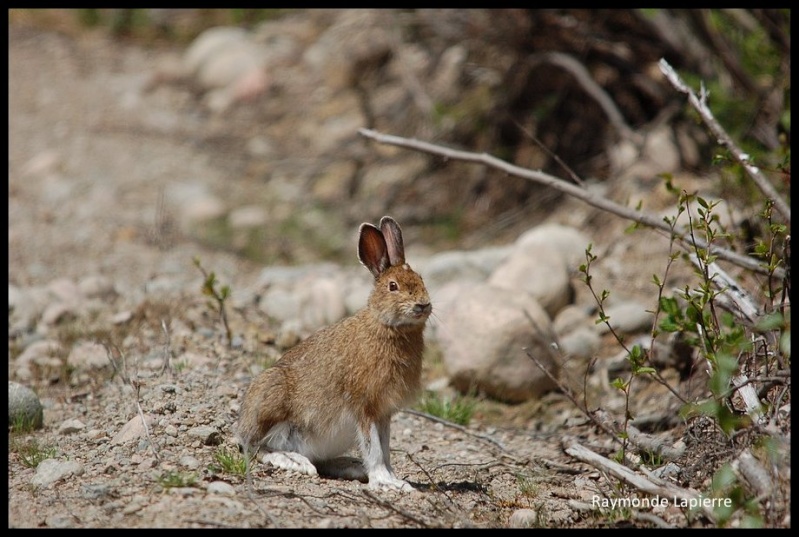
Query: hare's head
400	297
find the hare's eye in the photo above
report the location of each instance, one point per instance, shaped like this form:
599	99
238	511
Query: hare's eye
392	286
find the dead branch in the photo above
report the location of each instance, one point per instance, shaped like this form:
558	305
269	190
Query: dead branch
733	298
572	190
648	484
569	394
453	508
460	428
749	397
700	105
642	441
652	519
753	472
391	507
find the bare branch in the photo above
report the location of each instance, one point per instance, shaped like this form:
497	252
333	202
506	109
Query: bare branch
733	297
642	441
460	428
392	507
754	473
700	105
646	484
572	190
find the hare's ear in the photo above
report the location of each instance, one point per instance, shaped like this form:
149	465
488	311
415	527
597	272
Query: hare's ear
393	236
372	249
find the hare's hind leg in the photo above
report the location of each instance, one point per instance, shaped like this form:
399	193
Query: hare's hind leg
287	449
289	460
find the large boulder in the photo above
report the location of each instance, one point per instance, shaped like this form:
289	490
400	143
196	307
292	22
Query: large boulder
485	333
541	264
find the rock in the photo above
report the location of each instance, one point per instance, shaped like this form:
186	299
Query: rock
248	217
50	471
195	205
483	334
96	286
56	312
568	241
71	426
132	430
445	86
24	408
187	461
582	343
25	306
39	352
539	271
323	303
226	61
660	154
43	163
308	303
541	263
523	518
88	355
209	436
476	265
221	488
60	520
628	318
577	333
208	43
64	290
358	288
122	317
571	318
96	491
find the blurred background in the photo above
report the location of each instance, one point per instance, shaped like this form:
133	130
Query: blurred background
237	129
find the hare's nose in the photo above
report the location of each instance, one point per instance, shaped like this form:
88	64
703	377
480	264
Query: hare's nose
422	308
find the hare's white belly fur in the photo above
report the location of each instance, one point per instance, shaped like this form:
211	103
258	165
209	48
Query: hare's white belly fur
317	445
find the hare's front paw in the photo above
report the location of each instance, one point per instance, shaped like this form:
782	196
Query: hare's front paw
383	480
289	460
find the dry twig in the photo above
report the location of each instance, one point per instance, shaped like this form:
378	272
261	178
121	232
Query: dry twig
460	428
391	507
648	484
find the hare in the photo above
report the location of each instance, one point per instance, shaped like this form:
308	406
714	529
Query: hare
340	387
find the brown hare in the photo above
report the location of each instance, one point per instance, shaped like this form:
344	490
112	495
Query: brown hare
340	387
